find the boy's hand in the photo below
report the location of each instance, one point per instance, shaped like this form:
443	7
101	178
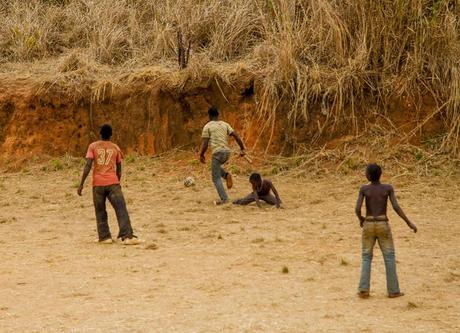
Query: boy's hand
242	152
202	159
80	190
361	221
412	226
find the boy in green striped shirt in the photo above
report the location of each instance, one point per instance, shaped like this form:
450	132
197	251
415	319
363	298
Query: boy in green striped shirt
216	133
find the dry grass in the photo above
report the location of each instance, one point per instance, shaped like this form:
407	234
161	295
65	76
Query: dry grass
402	160
343	59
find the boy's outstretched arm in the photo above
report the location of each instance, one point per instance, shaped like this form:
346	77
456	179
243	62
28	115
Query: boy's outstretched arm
119	170
204	147
359	204
86	170
399	211
239	142
275	192
256	196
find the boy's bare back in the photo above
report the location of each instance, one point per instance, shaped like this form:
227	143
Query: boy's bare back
376	196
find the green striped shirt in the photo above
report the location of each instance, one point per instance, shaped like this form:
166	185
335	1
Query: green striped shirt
217	131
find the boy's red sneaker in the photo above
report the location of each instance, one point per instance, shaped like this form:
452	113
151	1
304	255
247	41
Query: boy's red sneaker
229	180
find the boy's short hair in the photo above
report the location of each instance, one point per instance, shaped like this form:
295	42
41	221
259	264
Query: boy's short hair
213	112
374	171
106	131
255	177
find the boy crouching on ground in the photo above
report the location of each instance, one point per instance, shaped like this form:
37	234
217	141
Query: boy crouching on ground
260	191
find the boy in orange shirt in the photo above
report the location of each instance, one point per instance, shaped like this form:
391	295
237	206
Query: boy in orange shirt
106	185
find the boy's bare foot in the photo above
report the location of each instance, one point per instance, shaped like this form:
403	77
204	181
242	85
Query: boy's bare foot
363	294
395	295
229	180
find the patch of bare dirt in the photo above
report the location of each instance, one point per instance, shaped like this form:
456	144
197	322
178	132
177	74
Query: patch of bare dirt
220	269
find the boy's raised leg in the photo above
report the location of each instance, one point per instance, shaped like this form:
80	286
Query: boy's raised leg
228	177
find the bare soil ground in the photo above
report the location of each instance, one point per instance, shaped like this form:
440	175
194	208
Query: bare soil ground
220	269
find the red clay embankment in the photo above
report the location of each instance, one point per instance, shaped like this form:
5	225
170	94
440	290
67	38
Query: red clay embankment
149	117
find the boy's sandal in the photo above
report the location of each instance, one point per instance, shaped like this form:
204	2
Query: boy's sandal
363	294
395	295
105	241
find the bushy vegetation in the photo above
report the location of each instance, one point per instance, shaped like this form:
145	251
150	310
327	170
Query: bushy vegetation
336	56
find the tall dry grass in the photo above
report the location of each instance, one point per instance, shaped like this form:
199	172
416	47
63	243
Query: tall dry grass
340	58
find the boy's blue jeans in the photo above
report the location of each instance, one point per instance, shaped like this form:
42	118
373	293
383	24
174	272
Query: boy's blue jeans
218	159
378	231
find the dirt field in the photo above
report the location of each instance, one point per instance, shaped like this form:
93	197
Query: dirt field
219	269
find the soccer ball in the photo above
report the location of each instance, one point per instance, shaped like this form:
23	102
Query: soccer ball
189	181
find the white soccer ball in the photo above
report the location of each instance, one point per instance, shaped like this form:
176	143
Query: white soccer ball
189	181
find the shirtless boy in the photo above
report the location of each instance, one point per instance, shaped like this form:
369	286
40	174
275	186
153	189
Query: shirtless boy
375	227
106	185
260	191
216	132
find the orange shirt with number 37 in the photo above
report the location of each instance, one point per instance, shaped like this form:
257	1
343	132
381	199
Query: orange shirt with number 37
105	156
